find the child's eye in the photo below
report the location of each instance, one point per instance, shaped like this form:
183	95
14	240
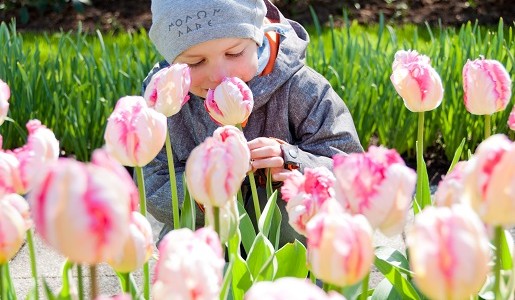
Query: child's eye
235	54
193	65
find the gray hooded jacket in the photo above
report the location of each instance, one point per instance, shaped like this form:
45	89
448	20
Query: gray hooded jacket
292	103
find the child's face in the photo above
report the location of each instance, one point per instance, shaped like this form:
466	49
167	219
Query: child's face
210	62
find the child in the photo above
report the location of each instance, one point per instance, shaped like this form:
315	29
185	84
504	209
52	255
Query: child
298	120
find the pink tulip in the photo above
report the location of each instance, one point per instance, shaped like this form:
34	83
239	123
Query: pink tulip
81	210
5	93
287	288
190	265
135	133
450	188
216	168
376	184
306	194
13	225
168	89
230	103
101	158
511	119
416	81
489	182
486	85
21	205
137	248
340	247
10	178
41	148
449	252
116	297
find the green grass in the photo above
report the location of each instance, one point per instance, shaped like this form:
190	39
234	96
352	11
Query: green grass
71	80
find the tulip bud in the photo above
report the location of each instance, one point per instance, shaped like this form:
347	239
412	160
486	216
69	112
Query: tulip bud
230	103
216	168
376	184
416	81
286	288
168	89
489	181
10	179
449	252
486	86
137	248
13	226
229	219
135	133
5	93
81	210
190	263
340	247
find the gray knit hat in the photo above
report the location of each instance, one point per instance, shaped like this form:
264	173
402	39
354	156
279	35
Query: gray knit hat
179	24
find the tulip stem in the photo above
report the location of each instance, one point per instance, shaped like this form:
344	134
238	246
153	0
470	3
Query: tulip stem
93	281
3	288
420	157
143	210
33	268
498	237
255	198
488	128
80	282
216	214
173	184
364	287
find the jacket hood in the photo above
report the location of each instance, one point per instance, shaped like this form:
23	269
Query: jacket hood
291	57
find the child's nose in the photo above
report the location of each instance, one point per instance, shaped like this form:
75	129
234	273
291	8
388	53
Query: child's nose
218	73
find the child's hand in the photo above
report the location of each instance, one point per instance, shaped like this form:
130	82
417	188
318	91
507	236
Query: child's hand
267	153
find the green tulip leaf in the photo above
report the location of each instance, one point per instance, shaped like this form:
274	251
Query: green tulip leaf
246	227
291	260
394	266
265	221
261	261
385	291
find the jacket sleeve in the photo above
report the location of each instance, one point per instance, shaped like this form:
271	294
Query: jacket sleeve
320	122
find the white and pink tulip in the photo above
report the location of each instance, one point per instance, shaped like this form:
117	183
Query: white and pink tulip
416	81
287	288
376	184
14	222
216	168
230	103
5	94
81	210
449	252
190	265
135	133
489	181
450	188
486	85
511	119
168	89
305	195
340	247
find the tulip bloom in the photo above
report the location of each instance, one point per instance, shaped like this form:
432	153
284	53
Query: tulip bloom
449	252
10	179
5	93
376	184
416	81
14	222
486	86
81	210
168	89
511	119
190	265
340	247
41	148
450	188
137	248
135	133
305	195
216	168
230	103
489	183
287	288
